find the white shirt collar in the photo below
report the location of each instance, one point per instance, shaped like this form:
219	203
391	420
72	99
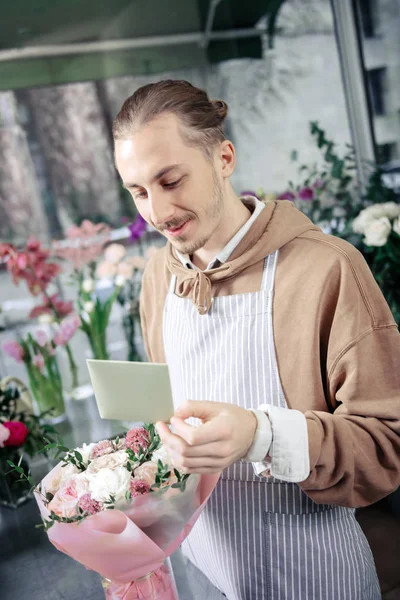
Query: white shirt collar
226	252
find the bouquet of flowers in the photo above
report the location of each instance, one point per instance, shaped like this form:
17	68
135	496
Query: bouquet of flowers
121	509
20	433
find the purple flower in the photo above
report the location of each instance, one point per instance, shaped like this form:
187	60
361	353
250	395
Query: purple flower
137	228
306	193
248	193
286	196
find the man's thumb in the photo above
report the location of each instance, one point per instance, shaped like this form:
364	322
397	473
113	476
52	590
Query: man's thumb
196	408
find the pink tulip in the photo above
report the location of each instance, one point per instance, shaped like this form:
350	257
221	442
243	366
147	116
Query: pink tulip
38	361
66	330
41	337
14	350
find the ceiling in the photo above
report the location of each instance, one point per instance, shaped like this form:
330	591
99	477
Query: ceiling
49	38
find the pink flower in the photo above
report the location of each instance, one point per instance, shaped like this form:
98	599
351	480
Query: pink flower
4	435
137	487
66	330
101	448
89	240
41	337
125	269
106	447
114	253
38	361
138	436
146	472
18	432
14	350
106	270
61	308
88	505
30	264
66	499
306	193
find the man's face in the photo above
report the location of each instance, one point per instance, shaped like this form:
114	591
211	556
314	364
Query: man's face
174	187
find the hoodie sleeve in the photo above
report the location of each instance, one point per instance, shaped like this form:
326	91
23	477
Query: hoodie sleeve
354	445
355	452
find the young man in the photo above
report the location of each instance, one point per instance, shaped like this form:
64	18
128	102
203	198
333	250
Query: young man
279	343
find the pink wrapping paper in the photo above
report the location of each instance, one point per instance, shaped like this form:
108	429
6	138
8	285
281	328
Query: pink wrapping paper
113	544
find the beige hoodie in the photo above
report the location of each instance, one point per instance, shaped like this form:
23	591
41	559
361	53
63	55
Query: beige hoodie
337	346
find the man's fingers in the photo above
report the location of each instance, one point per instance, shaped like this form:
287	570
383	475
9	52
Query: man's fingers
195	464
203	410
169	439
196	436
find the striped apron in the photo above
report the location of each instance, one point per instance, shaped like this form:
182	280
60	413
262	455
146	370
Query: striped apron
257	538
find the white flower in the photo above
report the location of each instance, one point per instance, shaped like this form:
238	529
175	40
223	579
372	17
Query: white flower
391	210
377	232
396	226
162	454
45	318
119	280
107	482
60	478
88	285
108	461
88	307
85	451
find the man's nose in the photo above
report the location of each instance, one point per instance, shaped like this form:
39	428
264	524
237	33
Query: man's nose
161	211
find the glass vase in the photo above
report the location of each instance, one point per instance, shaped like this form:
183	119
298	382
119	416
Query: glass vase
13	490
47	390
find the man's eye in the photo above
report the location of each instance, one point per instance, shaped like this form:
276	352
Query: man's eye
172	185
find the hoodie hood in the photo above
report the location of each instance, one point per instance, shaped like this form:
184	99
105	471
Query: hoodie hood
278	223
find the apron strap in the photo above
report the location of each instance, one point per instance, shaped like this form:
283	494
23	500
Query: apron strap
268	278
172	284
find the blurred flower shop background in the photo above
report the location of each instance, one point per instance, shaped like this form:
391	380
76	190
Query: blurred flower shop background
313	89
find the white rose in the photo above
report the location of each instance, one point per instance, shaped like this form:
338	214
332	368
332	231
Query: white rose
391	210
396	226
107	482
377	232
85	451
162	454
88	307
60	478
109	461
88	285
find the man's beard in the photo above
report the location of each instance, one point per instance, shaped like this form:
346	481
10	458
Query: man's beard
212	214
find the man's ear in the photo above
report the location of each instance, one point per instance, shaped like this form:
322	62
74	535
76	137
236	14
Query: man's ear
227	156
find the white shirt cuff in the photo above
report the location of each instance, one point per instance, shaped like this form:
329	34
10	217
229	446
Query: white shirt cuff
262	438
289	454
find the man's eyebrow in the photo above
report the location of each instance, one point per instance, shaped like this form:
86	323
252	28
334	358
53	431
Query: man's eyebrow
156	177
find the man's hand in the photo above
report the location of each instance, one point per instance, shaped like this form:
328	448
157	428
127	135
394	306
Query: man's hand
225	436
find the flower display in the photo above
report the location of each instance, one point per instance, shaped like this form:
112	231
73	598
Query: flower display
83	243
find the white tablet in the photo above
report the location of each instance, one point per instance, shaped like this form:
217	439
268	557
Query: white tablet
131	391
